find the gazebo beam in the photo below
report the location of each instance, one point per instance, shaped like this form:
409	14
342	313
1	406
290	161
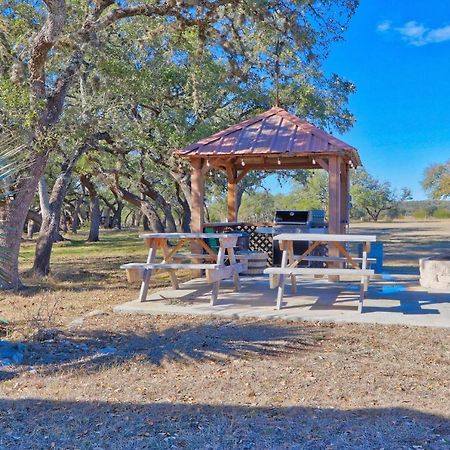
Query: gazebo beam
322	164
242	174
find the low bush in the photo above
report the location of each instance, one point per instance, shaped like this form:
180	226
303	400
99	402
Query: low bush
420	214
441	213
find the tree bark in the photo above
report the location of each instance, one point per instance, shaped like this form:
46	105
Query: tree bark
117	217
76	215
145	224
116	209
185	219
149	190
63	222
44	198
13	214
144	206
94	209
107	215
30	229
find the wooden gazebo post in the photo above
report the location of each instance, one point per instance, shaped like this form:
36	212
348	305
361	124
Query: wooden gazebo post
334	192
197	195
232	194
334	205
197	203
345	198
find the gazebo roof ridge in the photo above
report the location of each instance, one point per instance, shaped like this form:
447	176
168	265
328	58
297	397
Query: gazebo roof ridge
276	132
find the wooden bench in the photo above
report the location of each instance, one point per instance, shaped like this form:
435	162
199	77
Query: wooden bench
202	256
294	271
333	259
214	272
215	268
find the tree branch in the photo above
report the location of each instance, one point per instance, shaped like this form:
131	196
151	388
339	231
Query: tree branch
43	43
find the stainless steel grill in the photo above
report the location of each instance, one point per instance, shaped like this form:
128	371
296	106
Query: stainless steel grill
295	221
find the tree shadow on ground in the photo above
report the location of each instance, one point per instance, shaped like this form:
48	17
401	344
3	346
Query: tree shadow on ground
34	423
92	350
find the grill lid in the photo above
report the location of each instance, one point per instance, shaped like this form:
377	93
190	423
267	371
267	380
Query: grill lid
291	217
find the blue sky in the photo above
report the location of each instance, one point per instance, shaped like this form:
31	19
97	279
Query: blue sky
398	55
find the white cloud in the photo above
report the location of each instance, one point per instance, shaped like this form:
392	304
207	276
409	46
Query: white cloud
384	26
439	34
415	33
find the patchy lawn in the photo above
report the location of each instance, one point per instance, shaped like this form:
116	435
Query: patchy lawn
95	379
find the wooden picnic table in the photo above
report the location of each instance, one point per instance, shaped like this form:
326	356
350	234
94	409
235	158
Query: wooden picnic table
289	261
215	269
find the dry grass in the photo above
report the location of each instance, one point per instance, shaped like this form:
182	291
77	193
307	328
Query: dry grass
407	241
114	381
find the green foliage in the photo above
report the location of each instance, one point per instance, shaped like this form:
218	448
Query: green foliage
258	207
371	197
436	181
160	82
420	214
441	213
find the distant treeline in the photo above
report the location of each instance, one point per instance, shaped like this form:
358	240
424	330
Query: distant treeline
422	209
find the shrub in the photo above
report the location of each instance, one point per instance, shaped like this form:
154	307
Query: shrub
420	214
441	213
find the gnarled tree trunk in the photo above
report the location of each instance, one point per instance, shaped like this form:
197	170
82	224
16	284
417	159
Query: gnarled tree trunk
117	217
13	214
94	209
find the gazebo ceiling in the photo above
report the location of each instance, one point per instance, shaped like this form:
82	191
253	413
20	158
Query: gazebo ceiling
274	133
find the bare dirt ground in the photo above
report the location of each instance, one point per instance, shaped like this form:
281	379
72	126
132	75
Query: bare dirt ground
94	379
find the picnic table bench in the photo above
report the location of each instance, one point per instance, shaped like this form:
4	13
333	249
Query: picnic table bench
216	270
290	262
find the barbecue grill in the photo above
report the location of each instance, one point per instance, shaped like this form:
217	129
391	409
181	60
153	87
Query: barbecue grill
295	221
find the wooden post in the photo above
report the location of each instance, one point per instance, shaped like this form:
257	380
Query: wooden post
334	192
232	195
345	188
197	195
198	203
334	207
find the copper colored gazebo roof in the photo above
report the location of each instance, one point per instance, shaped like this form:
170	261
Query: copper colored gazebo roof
274	132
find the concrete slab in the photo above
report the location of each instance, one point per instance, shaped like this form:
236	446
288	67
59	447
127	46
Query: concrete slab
390	300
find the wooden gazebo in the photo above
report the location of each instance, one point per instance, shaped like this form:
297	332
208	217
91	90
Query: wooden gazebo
273	140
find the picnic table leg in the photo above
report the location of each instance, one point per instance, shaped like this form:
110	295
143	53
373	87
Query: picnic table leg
281	282
216	284
147	272
361	294
366	250
291	260
167	259
364	279
232	258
